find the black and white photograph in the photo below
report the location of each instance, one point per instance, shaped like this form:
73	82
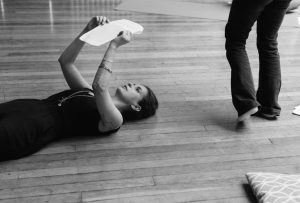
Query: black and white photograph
150	101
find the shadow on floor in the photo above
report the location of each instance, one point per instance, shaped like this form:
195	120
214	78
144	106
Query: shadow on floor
249	194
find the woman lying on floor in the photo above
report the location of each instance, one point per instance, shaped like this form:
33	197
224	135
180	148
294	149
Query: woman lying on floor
27	125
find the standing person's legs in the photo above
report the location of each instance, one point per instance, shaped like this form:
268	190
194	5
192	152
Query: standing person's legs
268	25
243	15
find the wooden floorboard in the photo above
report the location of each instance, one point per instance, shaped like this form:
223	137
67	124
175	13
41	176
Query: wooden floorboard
191	151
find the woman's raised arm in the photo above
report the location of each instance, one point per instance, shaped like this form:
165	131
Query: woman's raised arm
111	117
68	57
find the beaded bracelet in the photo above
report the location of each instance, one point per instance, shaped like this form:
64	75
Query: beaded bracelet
106	68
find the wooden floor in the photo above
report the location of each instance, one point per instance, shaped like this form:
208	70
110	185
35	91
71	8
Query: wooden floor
189	152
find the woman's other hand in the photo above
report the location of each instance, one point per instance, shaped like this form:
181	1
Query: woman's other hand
123	38
96	21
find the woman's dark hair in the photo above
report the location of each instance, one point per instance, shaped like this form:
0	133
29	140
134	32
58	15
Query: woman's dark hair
148	104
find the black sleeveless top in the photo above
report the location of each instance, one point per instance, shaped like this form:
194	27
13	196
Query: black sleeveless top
27	125
78	112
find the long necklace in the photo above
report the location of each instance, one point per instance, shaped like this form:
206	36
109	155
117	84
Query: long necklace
75	94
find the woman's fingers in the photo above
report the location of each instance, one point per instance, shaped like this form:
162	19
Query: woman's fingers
127	35
124	37
97	20
101	20
105	20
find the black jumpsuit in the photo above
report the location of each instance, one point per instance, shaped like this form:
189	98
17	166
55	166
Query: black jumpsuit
27	125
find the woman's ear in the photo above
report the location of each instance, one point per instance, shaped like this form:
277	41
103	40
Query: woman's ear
136	107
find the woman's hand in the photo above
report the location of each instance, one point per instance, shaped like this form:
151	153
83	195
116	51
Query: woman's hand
123	38
96	21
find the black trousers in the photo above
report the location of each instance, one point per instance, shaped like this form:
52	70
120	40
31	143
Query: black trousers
26	126
269	15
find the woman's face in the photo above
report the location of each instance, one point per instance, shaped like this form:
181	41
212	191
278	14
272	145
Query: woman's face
131	93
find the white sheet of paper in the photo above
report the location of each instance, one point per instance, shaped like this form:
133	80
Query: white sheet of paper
103	34
297	110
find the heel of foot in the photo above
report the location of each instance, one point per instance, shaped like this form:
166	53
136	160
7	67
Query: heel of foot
247	115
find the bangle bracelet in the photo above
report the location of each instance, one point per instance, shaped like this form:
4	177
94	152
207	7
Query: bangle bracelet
106	68
105	60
